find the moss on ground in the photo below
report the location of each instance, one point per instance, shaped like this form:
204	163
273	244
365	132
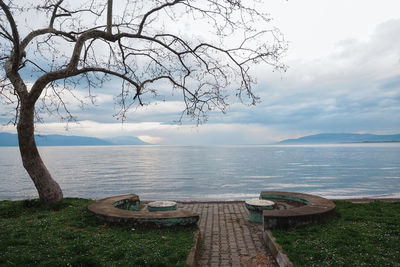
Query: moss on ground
66	234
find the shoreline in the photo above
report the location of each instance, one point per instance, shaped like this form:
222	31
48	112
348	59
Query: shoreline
388	197
353	200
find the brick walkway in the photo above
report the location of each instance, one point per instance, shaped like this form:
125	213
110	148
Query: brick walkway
228	238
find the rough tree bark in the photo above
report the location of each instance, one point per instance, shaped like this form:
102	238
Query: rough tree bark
48	189
142	52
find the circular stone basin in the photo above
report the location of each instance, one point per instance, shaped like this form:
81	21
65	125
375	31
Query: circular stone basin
256	206
161	206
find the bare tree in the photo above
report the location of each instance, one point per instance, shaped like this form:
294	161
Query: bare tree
84	45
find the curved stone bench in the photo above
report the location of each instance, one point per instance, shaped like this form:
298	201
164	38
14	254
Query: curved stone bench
106	210
314	210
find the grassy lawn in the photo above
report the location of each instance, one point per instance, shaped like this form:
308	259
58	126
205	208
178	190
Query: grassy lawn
361	235
65	234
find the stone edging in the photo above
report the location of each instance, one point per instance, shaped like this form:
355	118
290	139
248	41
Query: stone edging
276	250
194	251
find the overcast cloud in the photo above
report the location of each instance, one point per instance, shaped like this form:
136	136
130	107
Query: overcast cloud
343	76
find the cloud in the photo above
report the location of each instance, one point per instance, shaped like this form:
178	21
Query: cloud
159	107
159	133
349	84
150	139
356	88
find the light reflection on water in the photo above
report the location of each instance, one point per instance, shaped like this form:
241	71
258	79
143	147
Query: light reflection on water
210	172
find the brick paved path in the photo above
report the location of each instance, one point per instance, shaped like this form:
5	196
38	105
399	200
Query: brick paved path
228	238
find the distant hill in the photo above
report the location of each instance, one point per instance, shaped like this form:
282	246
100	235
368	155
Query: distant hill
7	139
333	138
125	140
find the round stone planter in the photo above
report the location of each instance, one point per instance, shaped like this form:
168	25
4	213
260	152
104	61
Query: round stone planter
161	206
256	207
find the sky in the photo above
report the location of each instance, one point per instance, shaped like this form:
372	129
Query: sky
343	76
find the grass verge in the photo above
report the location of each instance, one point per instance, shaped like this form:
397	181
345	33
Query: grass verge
361	235
66	234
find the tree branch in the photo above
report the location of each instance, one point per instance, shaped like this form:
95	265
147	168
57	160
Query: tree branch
37	33
6	34
54	14
16	54
155	10
109	16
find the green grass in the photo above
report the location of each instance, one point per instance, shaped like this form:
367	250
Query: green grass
361	235
66	234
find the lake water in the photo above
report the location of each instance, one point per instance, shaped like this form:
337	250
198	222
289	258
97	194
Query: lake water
210	172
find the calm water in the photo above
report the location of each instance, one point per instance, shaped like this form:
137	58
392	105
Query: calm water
210	172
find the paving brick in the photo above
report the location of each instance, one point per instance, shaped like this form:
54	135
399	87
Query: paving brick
229	238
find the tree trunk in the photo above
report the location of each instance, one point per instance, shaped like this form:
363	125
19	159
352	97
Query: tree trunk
48	189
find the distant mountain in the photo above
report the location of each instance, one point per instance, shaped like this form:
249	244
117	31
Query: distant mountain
333	138
125	140
63	140
7	139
